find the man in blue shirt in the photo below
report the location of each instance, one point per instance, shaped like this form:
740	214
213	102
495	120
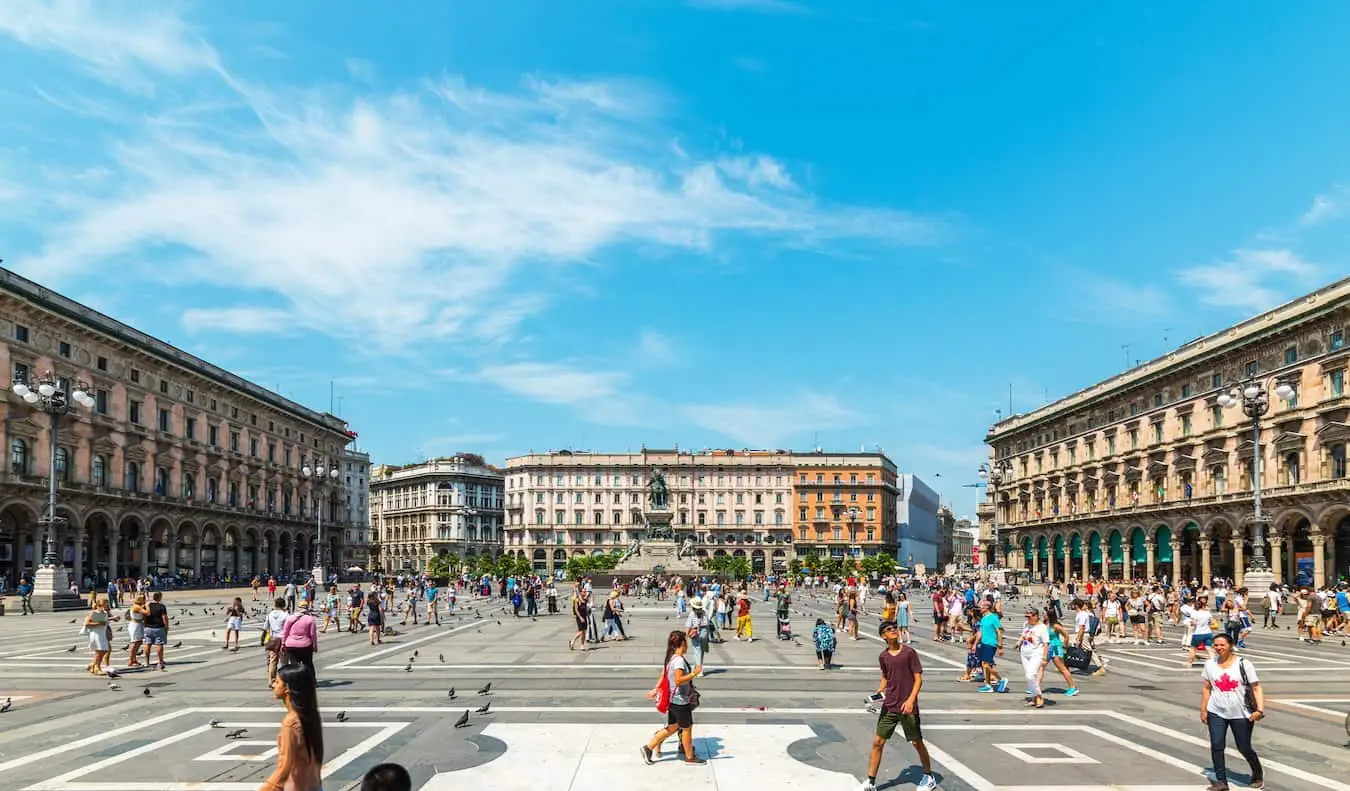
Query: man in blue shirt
1343	604
991	645
26	594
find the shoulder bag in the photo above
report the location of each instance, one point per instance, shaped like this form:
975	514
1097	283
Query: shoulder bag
1249	694
694	697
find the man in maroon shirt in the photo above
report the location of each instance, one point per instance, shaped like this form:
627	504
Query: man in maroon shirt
901	680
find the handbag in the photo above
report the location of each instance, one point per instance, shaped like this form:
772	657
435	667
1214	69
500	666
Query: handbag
694	697
1249	695
1077	657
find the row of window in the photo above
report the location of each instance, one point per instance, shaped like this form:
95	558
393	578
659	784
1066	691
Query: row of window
21	334
1335	342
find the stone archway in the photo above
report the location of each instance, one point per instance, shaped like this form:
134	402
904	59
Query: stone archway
159	545
1138	554
1164	566
98	525
131	538
208	553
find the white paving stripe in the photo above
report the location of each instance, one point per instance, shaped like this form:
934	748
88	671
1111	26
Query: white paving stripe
404	646
746	757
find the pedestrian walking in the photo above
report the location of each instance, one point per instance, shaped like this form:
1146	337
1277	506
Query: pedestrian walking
1034	648
300	740
699	632
299	640
276	622
677	689
26	595
898	698
1231	700
234	623
156	630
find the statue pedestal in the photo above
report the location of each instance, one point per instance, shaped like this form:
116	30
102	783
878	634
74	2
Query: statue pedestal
1258	580
659	555
51	590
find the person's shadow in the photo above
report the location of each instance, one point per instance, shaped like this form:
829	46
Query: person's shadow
911	776
711	747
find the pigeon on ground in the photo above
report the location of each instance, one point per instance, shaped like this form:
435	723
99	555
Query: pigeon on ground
146	692
442	659
215	724
463	720
239	734
483	709
342	716
70	650
409	667
113	687
179	644
450	693
7	705
417	653
213	634
72	620
486	690
112	673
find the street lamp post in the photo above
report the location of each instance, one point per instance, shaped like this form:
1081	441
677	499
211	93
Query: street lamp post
994	477
1255	403
854	546
48	393
322	480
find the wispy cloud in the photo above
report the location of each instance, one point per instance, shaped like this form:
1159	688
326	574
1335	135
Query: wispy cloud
247	321
1254	280
326	203
552	383
1326	207
765	425
655	349
762	6
1102	299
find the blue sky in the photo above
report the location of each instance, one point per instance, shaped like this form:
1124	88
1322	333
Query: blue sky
505	226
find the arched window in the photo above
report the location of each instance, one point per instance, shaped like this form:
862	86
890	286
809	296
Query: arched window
100	471
1219	474
62	464
18	457
1291	471
212	486
133	477
161	481
1338	460
189	486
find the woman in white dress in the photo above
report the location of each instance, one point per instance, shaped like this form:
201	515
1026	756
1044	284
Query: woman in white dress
1035	652
96	625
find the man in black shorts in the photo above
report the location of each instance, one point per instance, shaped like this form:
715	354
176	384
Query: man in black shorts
901	680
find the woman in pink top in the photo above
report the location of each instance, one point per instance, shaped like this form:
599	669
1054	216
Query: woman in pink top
299	640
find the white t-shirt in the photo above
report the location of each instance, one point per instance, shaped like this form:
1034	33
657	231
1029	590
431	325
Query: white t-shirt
1199	620
1082	621
1227	692
1273	599
1034	640
1111	608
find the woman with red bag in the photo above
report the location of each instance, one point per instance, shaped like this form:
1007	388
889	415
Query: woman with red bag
676	697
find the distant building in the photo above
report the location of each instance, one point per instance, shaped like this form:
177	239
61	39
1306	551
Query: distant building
356	481
916	515
447	506
964	538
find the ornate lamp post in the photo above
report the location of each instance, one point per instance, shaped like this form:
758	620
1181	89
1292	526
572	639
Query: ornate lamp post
1255	403
323	479
47	393
855	549
993	477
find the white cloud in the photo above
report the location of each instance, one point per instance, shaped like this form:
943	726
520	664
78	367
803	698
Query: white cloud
765	6
415	216
1326	207
656	349
553	383
118	42
1254	280
247	320
764	426
1098	298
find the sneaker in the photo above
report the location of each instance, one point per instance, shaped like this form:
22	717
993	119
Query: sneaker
647	755
985	688
927	783
696	760
1257	782
1070	692
866	786
1003	685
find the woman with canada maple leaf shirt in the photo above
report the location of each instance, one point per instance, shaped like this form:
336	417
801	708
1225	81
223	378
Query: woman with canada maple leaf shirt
1232	699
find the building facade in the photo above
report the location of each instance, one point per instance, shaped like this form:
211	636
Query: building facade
917	506
179	468
356	484
1149	474
963	543
766	506
444	507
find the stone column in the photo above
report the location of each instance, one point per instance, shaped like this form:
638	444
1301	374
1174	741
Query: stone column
1276	560
1148	557
1083	563
113	540
1205	570
1068	563
1176	562
1238	561
197	555
80	537
174	542
1319	542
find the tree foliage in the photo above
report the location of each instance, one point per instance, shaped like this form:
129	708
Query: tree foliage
579	566
728	566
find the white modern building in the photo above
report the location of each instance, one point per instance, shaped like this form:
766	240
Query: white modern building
449	507
355	473
916	513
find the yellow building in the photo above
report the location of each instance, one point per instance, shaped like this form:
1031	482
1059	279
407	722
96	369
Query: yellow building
1151	472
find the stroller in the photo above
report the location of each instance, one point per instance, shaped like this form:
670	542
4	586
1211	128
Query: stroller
784	626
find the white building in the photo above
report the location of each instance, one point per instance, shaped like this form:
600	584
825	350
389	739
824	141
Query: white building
356	476
448	506
916	513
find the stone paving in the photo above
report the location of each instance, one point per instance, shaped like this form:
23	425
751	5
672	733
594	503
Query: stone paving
563	719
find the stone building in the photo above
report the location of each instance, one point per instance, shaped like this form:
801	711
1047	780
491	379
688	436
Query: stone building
355	467
1151	473
180	467
448	506
757	504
